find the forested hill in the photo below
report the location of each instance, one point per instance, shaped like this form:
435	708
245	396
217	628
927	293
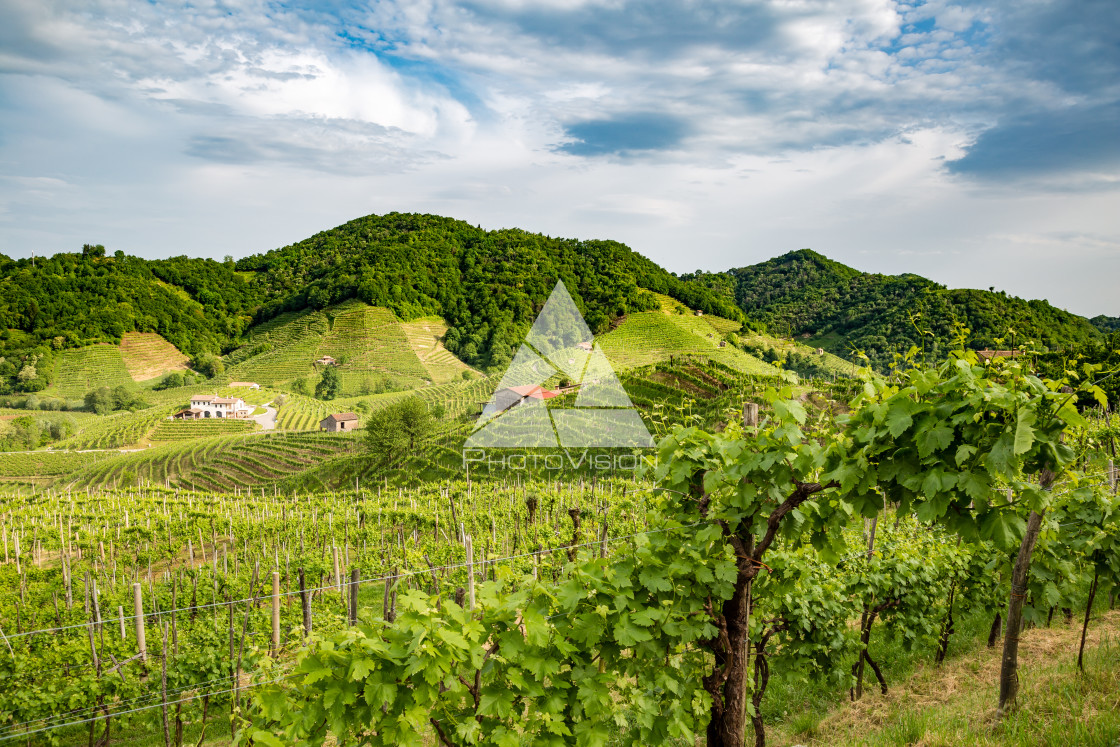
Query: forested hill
838	308
75	299
1106	323
488	285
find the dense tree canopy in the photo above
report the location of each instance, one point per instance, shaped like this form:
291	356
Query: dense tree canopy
805	294
70	300
488	285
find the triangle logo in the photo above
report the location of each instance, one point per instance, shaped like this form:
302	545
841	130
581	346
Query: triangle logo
559	343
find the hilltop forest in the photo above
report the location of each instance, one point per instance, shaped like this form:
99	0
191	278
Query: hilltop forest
805	294
488	286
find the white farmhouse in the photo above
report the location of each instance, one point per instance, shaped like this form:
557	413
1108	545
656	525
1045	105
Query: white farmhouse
213	406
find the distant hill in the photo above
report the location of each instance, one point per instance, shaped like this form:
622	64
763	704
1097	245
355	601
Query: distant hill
487	285
75	300
830	305
436	296
1106	323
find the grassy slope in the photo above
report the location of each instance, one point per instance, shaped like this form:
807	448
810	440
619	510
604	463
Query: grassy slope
425	336
79	370
955	704
653	336
146	355
375	342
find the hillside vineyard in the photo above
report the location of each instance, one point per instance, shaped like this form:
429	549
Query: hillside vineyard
237	507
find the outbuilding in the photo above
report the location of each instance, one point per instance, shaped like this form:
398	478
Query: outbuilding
339	421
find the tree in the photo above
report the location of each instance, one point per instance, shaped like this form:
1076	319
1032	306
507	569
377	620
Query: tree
170	381
100	401
328	386
384	438
397	429
209	365
416	421
301	386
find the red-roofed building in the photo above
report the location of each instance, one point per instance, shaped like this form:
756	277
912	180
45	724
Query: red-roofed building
508	397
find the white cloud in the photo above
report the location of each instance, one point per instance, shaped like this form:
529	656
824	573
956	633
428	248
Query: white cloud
220	128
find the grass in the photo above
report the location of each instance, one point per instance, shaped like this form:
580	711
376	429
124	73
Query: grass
425	336
654	336
955	704
83	369
146	355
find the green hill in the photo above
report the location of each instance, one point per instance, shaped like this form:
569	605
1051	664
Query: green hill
487	285
834	307
1106	323
70	301
370	344
674	330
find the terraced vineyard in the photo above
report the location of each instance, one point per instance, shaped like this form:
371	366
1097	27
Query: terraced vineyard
223	463
301	413
292	341
425	337
832	362
118	430
33	467
146	355
371	340
654	336
182	430
80	370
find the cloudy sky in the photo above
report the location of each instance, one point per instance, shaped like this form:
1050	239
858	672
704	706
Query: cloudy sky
976	144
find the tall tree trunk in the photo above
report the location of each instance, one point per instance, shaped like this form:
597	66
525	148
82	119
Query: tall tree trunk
1009	676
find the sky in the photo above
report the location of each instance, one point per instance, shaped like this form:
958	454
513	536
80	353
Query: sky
976	144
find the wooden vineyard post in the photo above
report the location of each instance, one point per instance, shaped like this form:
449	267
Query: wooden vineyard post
1112	477
338	576
138	609
354	594
469	543
120	614
750	415
275	613
305	603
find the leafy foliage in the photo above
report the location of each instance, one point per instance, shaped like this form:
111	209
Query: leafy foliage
803	293
487	285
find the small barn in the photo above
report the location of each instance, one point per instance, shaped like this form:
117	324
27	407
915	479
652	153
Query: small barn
326	360
339	421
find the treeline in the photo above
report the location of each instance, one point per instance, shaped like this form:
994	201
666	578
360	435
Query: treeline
804	294
488	285
76	299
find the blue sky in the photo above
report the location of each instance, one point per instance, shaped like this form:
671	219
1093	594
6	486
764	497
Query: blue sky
973	143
